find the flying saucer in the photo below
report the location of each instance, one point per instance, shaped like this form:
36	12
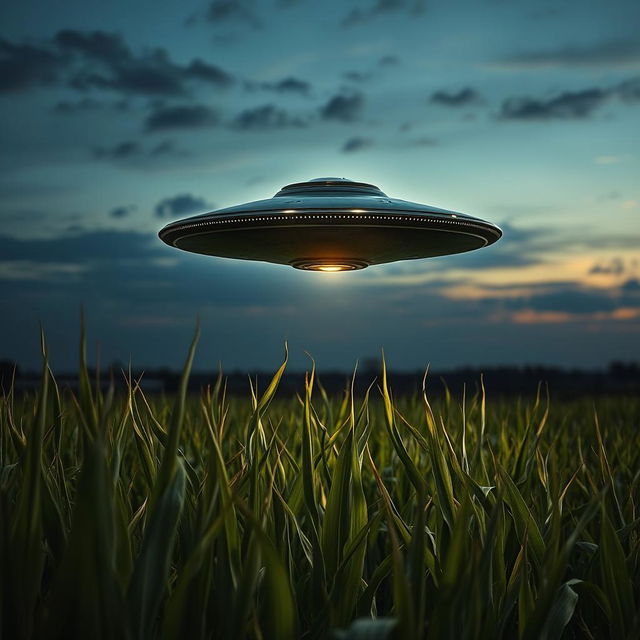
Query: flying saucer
330	224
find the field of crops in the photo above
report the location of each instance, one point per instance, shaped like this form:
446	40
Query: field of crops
125	516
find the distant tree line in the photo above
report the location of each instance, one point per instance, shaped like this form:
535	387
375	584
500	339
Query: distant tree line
618	377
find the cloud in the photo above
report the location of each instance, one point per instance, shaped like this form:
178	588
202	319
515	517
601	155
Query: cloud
571	300
375	71
73	249
287	85
220	11
389	61
608	159
380	7
631	286
461	98
122	211
182	204
629	90
610	53
567	105
343	107
551	302
126	269
87	105
181	117
99	45
86	60
130	149
423	141
357	76
116	68
214	75
121	151
264	118
356	144
66	107
166	148
24	66
614	267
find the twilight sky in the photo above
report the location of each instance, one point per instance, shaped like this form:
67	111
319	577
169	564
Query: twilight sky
119	117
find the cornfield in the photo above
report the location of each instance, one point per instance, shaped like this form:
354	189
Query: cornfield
368	516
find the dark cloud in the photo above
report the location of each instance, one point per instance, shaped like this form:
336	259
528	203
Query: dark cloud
374	71
86	60
265	117
99	45
221	11
165	148
155	77
571	299
67	107
631	286
618	52
122	211
343	107
380	7
182	204
181	117
423	141
288	85
356	144
132	149
389	61
86	105
24	66
615	266
357	76
92	245
629	90
121	151
461	98
568	298
567	105
118	69
214	75
117	272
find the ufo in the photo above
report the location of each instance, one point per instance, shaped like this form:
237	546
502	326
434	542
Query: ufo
328	225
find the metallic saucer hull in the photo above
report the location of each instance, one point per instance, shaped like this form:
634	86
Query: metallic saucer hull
326	225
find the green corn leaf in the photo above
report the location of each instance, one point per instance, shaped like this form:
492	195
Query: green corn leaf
522	518
149	581
561	612
26	562
86	600
616	579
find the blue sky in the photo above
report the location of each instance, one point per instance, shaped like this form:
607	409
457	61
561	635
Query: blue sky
119	117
